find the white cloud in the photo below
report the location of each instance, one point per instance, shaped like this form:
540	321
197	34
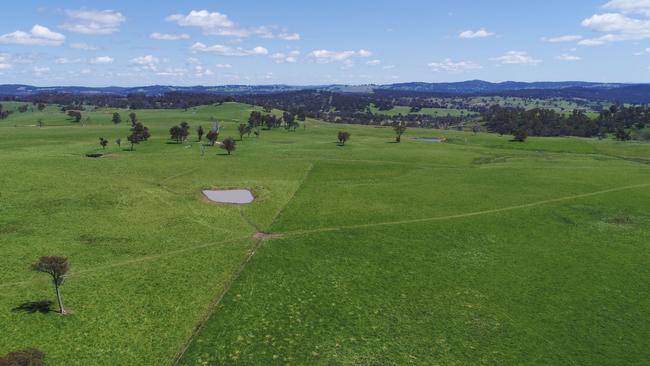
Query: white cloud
172	72
200	71
148	62
374	62
219	24
517	58
223	66
291	57
39	71
65	60
469	34
326	56
4	64
617	27
630	6
448	65
289	36
229	51
38	36
93	21
388	67
83	46
567	38
568	57
101	60
43	32
202	19
168	36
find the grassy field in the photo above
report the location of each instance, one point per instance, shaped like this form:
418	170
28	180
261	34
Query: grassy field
474	251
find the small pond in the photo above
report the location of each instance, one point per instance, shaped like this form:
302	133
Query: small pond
238	196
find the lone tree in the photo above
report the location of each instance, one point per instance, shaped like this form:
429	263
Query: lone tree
76	115
56	267
242	129
200	132
520	135
103	142
118	142
133	118
343	137
399	128
213	135
185	130
175	133
229	144
138	133
116	118
622	135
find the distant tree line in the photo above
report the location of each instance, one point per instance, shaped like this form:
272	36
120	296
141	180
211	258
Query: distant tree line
621	121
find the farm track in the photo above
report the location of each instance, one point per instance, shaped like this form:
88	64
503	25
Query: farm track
469	214
258	243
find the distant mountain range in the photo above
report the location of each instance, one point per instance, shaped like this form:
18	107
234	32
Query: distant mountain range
623	92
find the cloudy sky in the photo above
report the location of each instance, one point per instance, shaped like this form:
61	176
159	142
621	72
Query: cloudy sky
128	43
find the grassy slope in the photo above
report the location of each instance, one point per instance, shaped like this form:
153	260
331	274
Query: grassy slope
552	283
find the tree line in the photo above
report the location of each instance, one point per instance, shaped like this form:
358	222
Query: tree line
624	122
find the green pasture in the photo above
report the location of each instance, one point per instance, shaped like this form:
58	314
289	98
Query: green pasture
474	251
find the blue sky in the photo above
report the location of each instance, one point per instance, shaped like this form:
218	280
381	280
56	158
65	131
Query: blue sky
128	43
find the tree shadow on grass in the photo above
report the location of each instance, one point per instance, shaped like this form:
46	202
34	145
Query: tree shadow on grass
32	307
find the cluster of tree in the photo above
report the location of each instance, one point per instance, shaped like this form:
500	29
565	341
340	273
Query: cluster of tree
547	122
22	108
354	108
138	134
180	132
172	100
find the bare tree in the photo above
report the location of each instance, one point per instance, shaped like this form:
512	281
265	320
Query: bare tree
56	267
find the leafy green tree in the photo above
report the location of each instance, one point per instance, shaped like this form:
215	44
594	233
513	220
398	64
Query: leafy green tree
118	142
133	118
622	135
200	132
176	134
399	128
41	107
212	137
116	118
229	144
185	130
520	135
138	134
213	134
103	142
343	136
289	120
242	129
56	267
75	115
